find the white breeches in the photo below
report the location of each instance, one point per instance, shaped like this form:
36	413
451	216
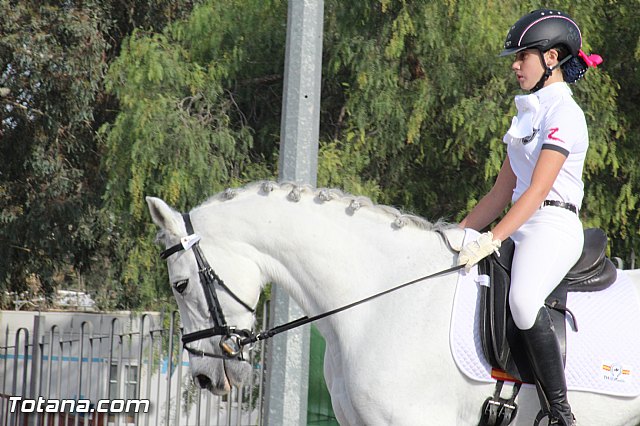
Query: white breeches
546	247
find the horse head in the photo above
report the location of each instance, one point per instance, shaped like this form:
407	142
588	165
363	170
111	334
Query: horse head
212	313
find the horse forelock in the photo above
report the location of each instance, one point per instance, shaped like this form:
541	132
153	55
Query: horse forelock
295	192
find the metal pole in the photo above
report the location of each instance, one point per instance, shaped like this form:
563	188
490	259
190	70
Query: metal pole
59	374
38	322
50	368
288	373
90	373
112	335
198	406
159	380
40	361
80	367
139	370
23	391
81	377
178	420
208	415
4	403
300	122
150	374
261	383
167	413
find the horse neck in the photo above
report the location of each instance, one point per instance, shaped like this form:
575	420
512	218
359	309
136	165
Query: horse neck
320	254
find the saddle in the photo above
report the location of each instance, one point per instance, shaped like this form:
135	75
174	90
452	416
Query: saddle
501	341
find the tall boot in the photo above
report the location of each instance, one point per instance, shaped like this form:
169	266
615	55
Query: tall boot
544	353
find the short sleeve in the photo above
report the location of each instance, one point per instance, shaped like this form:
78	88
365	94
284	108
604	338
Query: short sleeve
563	129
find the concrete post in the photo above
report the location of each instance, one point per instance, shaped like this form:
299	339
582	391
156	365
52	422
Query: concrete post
288	353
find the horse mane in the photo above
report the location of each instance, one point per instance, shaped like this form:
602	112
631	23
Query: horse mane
353	203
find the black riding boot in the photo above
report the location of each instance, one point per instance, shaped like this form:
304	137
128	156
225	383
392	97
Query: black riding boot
546	359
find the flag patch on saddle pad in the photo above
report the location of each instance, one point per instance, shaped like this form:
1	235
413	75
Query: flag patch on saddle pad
615	371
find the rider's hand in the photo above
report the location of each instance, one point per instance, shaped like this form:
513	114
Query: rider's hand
477	250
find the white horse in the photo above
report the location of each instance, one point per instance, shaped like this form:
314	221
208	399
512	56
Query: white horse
387	361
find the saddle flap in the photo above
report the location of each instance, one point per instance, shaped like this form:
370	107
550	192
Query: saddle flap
500	338
494	313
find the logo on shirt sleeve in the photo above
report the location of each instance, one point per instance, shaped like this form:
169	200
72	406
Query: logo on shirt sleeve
552	136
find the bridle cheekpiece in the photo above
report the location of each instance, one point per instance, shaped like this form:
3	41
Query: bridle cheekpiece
231	337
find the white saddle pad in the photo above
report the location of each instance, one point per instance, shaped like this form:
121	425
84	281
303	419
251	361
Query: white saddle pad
602	357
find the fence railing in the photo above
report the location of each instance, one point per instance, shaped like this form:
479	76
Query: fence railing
55	374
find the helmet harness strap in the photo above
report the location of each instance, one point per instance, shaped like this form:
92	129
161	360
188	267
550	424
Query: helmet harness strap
548	70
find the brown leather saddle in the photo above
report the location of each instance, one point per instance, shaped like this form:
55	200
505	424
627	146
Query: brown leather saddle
501	341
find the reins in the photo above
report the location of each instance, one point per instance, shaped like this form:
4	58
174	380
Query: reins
306	320
232	339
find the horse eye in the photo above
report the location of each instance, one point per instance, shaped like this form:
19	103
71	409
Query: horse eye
181	285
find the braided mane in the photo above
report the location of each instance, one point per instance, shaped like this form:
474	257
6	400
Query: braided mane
353	203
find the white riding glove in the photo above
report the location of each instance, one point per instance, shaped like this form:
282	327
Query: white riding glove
477	250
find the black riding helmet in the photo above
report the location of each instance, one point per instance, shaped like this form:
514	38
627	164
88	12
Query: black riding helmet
545	29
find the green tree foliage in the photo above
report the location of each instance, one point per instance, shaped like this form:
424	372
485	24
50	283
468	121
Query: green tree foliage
53	57
51	60
191	97
424	97
615	30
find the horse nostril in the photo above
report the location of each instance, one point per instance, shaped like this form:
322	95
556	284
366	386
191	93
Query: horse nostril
203	381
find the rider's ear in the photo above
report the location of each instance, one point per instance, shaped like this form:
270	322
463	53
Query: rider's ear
551	57
164	216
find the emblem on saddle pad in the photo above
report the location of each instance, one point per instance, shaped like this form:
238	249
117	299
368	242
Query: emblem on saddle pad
615	372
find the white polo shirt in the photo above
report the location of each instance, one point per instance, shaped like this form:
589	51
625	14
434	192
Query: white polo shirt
549	119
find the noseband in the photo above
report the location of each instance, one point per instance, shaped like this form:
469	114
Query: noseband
231	336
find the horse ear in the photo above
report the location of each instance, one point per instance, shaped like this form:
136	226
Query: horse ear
164	216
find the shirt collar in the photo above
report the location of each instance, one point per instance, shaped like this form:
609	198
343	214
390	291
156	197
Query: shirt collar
553	91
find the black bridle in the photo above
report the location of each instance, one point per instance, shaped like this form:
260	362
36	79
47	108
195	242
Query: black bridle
231	340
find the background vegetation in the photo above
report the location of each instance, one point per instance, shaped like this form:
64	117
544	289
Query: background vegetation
104	102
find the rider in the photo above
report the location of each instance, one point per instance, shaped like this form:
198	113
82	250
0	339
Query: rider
542	177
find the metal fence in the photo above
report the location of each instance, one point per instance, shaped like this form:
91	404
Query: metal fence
113	358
